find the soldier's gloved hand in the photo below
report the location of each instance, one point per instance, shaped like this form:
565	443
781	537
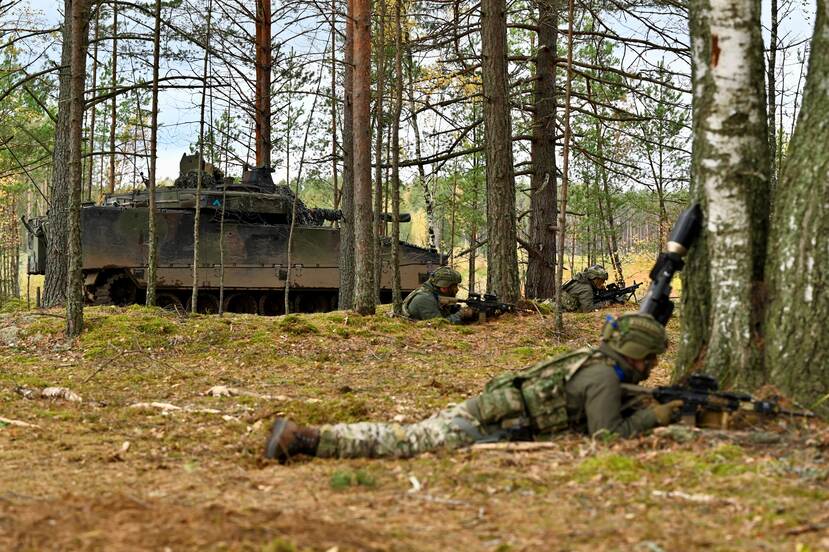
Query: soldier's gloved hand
469	314
665	412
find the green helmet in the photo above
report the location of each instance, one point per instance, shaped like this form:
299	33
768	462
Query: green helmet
445	277
596	271
635	335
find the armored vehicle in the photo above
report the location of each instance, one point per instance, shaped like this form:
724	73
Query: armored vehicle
256	217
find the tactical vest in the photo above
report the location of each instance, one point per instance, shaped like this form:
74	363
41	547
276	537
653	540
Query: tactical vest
536	394
568	302
425	288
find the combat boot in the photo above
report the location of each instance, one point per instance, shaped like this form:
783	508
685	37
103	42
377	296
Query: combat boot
288	439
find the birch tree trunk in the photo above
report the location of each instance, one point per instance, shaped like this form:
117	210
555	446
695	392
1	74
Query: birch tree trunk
541	273
74	290
502	255
364	293
723	291
798	263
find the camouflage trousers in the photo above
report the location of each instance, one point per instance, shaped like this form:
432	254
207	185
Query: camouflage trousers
452	428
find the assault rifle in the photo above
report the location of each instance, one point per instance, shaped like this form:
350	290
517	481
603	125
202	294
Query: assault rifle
486	305
703	404
615	293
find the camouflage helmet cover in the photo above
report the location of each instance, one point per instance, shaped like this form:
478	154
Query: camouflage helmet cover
596	271
445	277
635	335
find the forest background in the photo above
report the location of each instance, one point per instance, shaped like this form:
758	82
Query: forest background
631	113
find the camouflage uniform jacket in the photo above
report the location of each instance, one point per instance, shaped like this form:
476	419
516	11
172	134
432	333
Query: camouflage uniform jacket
577	295
580	390
423	304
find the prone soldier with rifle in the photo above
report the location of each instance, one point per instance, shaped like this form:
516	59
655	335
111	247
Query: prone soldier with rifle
582	390
614	293
487	306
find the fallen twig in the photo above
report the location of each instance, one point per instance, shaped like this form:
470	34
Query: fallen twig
518	447
17	423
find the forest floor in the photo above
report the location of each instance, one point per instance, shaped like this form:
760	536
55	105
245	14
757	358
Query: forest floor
149	460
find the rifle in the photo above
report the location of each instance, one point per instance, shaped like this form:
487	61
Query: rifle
704	405
486	305
658	302
615	293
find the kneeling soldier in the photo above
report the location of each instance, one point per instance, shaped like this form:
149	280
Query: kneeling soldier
579	390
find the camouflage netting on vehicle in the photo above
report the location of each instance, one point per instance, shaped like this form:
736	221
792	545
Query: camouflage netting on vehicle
304	215
210	181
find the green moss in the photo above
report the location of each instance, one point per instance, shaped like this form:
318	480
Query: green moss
346	409
135	328
13	305
342	479
279	545
523	353
296	325
45	325
613	466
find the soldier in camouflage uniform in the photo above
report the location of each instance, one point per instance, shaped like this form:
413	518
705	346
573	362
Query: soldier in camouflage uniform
577	294
424	303
579	390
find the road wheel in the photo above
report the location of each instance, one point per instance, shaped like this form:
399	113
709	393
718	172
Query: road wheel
242	303
207	303
118	289
170	302
272	304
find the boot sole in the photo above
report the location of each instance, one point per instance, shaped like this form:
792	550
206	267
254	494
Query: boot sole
272	446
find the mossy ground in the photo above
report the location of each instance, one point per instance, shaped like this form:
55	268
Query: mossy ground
104	475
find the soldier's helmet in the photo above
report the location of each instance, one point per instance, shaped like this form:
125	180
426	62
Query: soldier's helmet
596	271
635	335
445	277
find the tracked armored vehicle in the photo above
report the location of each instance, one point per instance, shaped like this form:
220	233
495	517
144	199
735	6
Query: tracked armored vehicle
257	216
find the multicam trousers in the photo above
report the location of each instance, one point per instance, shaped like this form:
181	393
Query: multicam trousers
452	428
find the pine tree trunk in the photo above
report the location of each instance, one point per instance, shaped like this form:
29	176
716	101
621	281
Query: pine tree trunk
90	162
113	105
771	70
364	293
194	295
379	225
152	238
74	291
723	285
57	229
347	245
502	259
798	264
541	273
396	298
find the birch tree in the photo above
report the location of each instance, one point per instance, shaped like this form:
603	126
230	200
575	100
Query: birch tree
723	293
